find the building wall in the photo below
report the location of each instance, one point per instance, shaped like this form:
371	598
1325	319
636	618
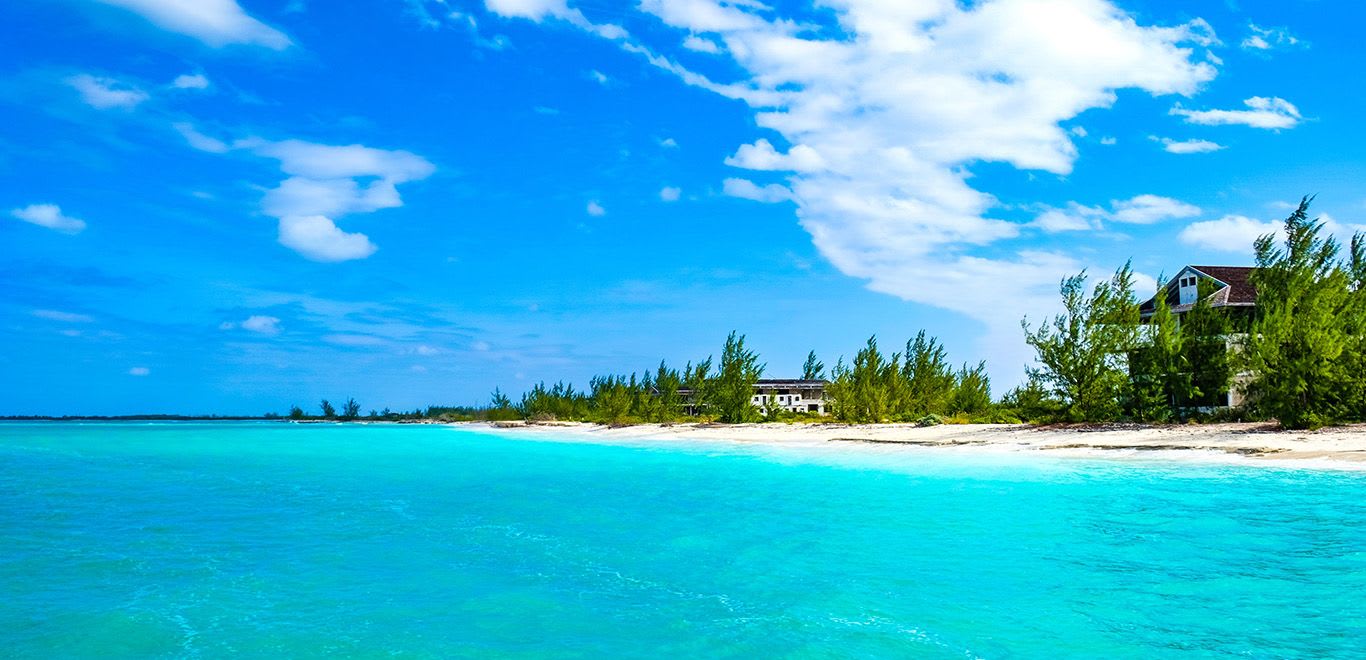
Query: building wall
792	400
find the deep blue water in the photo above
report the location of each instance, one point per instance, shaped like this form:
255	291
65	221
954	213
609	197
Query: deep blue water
271	539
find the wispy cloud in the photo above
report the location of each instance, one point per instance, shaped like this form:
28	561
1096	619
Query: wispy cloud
595	209
1139	210
670	193
191	81
105	93
1260	38
64	317
1192	146
50	216
1262	112
215	22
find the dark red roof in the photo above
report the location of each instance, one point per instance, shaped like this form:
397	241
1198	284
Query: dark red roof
1238	290
1241	290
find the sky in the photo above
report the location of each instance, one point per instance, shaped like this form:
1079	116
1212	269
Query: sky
238	206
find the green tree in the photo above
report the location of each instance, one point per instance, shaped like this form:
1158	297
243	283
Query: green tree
869	397
1159	374
1205	333
929	380
1082	352
328	411
295	412
1297	344
350	410
812	369
972	395
734	383
667	384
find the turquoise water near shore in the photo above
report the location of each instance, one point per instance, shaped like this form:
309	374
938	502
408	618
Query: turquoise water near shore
272	539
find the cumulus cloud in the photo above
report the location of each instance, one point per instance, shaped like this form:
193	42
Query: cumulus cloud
669	193
1192	146
1263	112
1140	210
746	189
595	209
50	216
215	22
191	81
1231	233
324	182
106	93
876	123
1237	233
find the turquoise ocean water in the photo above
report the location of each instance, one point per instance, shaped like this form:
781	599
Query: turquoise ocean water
279	540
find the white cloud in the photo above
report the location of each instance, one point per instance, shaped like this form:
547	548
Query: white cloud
1079	131
199	140
746	189
1231	233
1237	233
899	100
64	317
762	156
215	22
105	93
540	10
599	77
1149	209
264	325
325	182
1074	218
595	209
1140	210
670	193
668	143
1108	141
318	238
190	81
1261	38
701	45
1192	146
1263	112
50	216
139	371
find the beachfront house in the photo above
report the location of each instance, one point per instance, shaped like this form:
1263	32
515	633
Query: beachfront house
792	395
1228	289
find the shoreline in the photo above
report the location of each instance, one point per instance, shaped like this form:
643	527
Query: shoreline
1245	443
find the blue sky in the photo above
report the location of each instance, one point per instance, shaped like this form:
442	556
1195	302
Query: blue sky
236	206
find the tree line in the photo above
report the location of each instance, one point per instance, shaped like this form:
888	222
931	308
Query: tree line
917	385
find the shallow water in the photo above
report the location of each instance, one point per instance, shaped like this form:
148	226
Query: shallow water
272	539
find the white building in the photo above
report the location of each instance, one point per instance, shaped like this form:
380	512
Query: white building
792	395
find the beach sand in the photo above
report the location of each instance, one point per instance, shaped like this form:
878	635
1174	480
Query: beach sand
1256	441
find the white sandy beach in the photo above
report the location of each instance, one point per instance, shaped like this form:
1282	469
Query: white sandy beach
1255	441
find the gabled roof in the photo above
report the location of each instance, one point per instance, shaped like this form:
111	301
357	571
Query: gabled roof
1233	289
